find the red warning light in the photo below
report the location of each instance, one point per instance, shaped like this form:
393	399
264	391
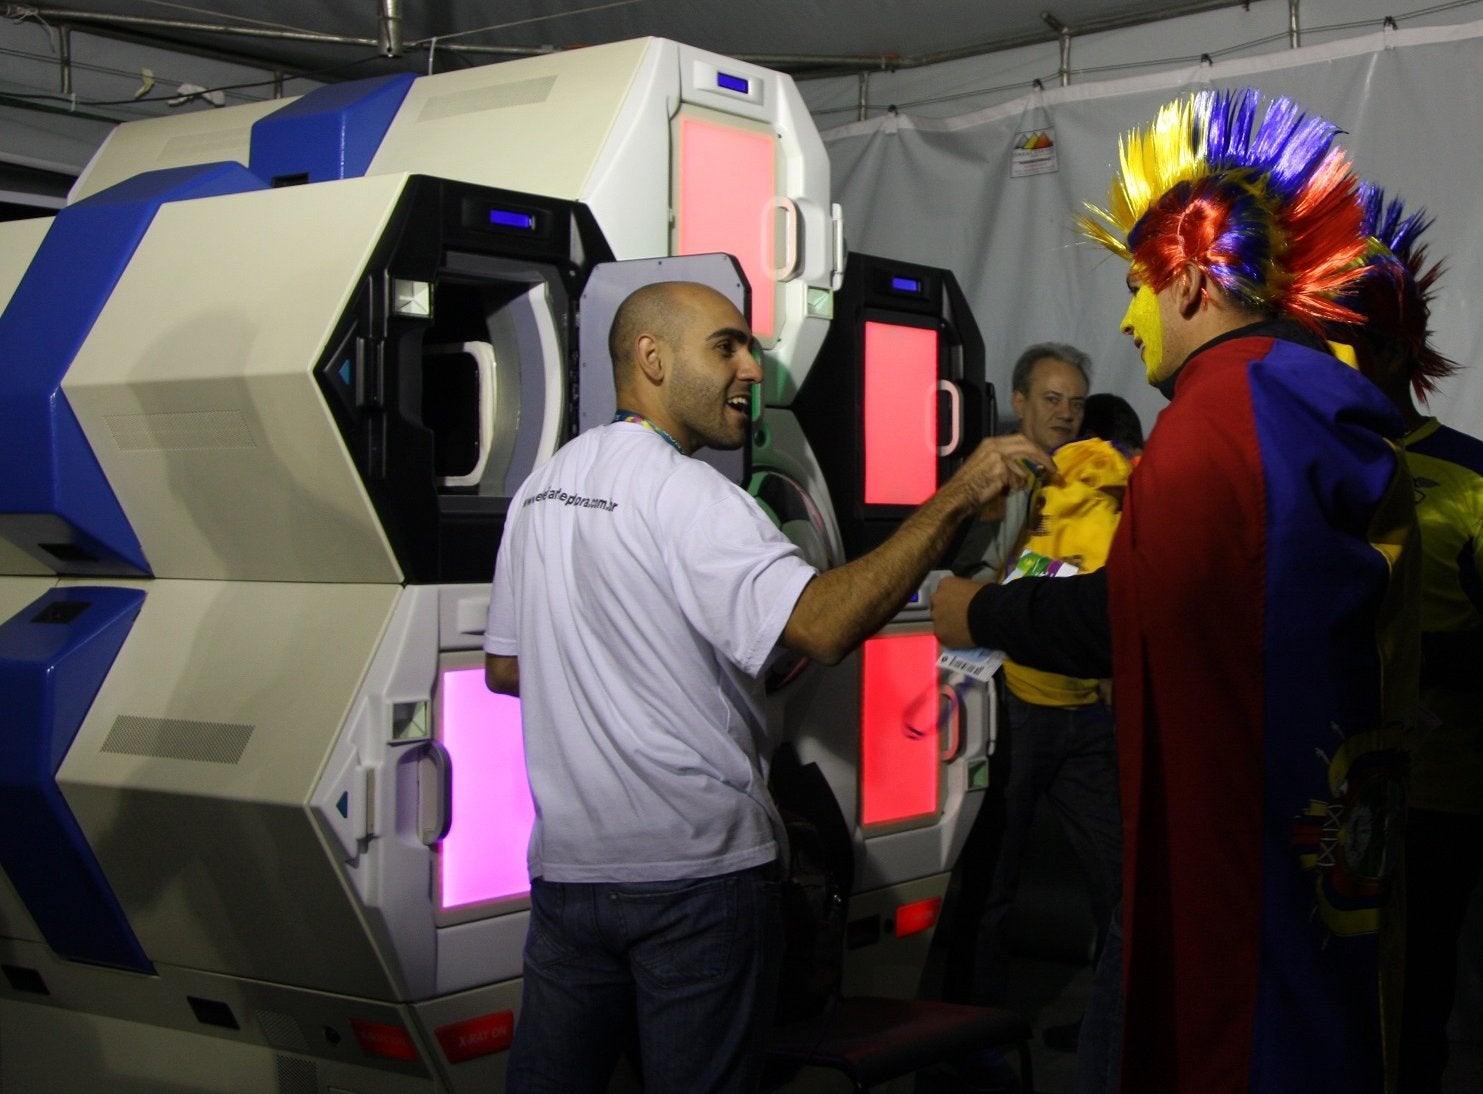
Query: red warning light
917	916
474	1037
381	1039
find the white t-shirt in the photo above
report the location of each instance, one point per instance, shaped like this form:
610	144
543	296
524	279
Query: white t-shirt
643	594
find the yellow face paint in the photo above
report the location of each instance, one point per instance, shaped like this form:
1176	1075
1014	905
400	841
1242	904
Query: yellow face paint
1142	321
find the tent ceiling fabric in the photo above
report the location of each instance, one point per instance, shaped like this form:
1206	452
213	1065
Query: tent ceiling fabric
818	36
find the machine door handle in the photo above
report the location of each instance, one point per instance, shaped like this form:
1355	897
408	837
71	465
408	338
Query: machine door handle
789	268
955	416
954	722
435	793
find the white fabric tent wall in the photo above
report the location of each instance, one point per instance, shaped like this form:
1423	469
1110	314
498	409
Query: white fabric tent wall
939	191
1175	42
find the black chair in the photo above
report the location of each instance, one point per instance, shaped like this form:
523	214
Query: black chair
872	1039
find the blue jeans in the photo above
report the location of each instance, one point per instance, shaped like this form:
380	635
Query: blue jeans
684	973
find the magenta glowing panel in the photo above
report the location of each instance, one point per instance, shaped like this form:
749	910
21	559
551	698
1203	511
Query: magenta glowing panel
900	414
483	856
899	716
727	186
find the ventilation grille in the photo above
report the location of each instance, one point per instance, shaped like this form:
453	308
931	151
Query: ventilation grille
479	99
186	429
216	140
297	1076
178	739
282	1031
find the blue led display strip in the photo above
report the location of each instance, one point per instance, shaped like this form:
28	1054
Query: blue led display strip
55	502
511	218
54	655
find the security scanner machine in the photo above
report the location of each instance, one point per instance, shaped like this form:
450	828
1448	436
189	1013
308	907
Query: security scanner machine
267	385
897	396
674	150
895	400
272	491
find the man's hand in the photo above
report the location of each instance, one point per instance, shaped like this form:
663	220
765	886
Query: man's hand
950	611
999	466
842	607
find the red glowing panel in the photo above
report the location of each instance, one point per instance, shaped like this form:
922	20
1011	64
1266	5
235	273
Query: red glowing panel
381	1039
483	856
898	728
918	916
727	183
900	414
475	1037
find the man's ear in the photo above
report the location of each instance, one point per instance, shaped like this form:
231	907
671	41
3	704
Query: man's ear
1017	403
1189	289
650	356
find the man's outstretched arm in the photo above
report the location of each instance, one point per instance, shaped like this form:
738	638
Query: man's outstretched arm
1058	624
842	607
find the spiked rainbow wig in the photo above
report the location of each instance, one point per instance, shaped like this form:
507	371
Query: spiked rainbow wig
1395	291
1268	210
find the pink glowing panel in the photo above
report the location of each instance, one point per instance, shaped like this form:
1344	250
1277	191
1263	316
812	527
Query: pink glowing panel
483	856
727	184
900	414
899	744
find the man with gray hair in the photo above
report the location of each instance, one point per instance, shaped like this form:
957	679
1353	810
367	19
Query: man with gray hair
1048	390
1055	735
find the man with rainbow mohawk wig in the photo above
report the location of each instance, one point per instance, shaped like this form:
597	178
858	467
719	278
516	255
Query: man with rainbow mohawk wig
1254	613
1444	820
1213	212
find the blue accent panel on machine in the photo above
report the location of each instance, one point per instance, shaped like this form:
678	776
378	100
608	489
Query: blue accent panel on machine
54	656
55	502
331	133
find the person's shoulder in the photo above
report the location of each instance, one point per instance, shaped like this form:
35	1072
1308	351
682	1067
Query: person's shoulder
613	445
1231	358
1450	445
1292	374
697	475
575	447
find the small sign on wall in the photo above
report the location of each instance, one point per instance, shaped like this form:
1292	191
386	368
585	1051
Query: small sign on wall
1034	152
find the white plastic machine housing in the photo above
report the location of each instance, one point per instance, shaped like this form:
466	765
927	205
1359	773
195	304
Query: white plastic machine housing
195	386
253	772
601	125
256	773
254	776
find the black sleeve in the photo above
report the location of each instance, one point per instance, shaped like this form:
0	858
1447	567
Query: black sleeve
1450	659
1058	624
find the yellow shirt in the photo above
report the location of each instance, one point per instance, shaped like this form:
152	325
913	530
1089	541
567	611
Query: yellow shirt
1072	518
1447	473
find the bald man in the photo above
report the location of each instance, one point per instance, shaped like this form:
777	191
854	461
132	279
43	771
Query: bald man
638	596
